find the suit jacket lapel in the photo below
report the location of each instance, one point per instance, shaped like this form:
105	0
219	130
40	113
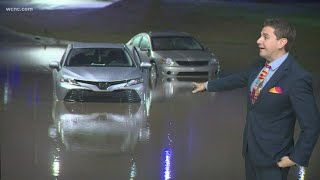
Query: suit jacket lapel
280	73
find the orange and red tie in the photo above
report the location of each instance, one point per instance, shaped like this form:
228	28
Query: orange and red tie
258	83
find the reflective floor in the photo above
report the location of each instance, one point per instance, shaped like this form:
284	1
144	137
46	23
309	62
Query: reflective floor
175	135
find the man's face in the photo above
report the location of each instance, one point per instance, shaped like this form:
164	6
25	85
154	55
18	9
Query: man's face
270	47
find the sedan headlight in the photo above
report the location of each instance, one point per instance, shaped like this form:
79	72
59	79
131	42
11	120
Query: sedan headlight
214	60
134	81
69	81
167	61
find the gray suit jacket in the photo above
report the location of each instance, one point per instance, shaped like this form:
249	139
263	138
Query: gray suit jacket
269	130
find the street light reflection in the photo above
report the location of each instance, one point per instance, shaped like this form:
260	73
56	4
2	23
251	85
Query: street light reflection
6	94
133	169
167	163
56	167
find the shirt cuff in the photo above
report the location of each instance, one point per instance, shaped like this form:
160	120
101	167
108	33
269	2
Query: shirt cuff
206	85
294	162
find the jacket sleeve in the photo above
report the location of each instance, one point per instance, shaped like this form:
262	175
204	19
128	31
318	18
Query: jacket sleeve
304	105
237	80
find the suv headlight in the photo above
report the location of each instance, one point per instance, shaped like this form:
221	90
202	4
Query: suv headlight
69	81
134	81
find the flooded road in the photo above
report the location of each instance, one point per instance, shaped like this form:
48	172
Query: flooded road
175	135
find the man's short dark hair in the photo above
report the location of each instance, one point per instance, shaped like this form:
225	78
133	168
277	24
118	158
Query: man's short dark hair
282	30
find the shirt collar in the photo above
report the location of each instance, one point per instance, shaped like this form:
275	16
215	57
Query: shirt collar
276	63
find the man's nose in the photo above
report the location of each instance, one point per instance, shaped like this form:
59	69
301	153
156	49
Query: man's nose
259	40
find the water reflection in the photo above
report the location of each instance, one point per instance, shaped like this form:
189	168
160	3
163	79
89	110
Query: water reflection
170	87
10	78
133	169
167	163
97	128
56	167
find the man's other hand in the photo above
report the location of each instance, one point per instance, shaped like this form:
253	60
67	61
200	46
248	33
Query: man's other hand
285	162
198	87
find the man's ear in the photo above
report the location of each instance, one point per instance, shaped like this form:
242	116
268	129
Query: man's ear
282	42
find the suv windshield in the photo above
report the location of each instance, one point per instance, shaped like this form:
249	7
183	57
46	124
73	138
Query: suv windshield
99	57
175	43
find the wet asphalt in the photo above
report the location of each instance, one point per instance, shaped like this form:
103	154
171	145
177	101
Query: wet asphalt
175	135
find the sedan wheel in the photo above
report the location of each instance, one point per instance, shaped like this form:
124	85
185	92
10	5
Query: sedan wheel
153	76
153	71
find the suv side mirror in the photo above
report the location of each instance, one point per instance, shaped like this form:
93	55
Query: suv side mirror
54	65
145	65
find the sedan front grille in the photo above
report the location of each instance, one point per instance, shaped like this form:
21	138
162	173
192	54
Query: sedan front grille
193	63
102	85
126	95
87	108
192	79
192	74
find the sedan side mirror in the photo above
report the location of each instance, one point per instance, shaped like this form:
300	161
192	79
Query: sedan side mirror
54	65
145	65
144	49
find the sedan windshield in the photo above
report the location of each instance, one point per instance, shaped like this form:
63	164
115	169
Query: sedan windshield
99	57
175	43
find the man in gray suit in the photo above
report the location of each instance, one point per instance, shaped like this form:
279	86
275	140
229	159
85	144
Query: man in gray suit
279	92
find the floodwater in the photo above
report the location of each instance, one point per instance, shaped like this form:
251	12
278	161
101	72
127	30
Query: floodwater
176	135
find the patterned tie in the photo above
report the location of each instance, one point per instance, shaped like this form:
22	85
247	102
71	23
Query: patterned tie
258	83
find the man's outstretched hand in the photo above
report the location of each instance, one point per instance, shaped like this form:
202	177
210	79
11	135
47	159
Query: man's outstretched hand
285	162
198	87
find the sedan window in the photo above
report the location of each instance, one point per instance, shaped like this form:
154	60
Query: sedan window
175	43
63	57
136	56
145	43
136	41
99	57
